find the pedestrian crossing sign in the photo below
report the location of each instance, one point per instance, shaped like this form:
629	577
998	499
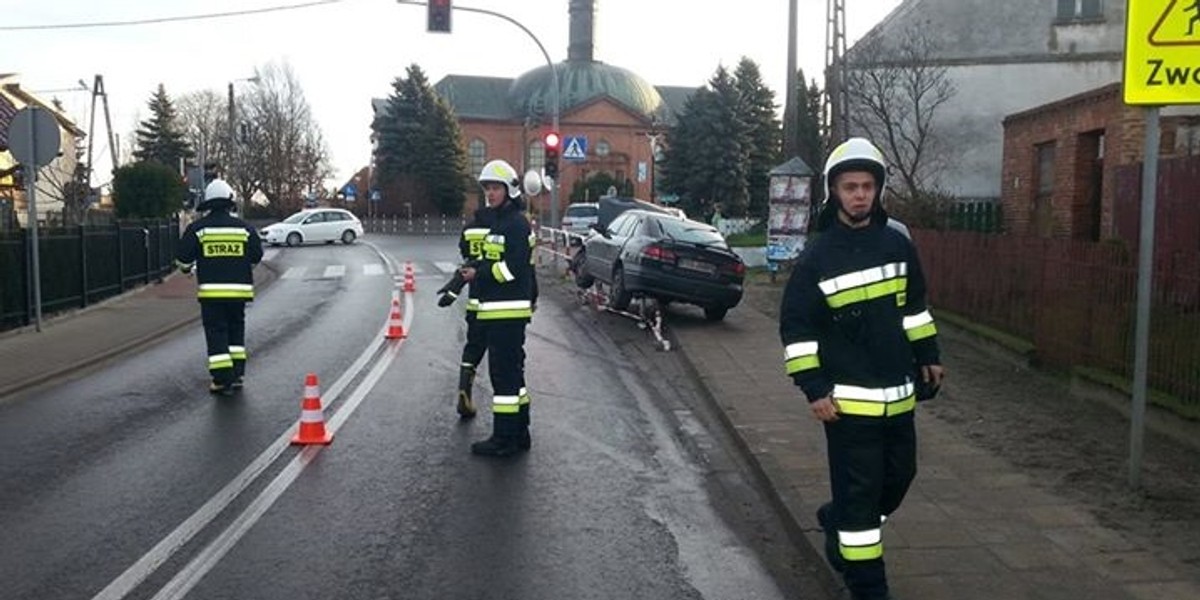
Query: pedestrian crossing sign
575	148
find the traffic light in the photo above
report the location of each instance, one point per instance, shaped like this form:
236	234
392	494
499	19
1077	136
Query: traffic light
552	141
438	13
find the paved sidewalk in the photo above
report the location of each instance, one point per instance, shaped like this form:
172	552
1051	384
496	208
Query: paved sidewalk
973	526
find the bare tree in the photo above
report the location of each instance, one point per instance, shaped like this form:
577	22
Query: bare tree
285	155
204	116
895	91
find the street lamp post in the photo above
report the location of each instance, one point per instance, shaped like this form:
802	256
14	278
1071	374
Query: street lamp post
233	134
553	74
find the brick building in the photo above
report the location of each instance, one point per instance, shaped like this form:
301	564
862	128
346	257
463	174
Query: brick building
1067	164
613	113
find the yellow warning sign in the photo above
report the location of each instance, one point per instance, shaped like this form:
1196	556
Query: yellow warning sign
1162	52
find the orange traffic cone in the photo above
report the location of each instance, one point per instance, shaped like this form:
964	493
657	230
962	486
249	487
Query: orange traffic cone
410	283
312	418
395	328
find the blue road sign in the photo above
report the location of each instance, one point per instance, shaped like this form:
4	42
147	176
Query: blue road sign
575	148
350	192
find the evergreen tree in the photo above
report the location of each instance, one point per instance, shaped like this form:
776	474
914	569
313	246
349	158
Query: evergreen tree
161	138
756	104
147	189
804	136
706	160
419	144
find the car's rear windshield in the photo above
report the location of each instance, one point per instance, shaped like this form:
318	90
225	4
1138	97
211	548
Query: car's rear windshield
691	232
582	210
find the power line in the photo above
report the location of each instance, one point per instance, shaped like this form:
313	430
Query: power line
221	15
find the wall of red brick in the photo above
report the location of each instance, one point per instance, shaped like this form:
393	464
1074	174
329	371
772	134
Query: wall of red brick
599	120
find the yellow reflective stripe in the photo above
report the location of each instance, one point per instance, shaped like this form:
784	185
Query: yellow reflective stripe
803	363
208	239
501	272
237	352
497	315
472	305
226	290
475	233
856	279
865	408
887	394
506	405
220	361
869	292
919	326
222	230
524	396
184	265
860	545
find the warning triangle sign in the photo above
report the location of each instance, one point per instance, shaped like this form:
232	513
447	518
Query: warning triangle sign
1179	25
574	149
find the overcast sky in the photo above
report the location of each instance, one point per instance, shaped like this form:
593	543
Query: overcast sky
346	53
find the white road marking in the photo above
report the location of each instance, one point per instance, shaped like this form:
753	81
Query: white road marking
293	273
373	269
446	267
334	271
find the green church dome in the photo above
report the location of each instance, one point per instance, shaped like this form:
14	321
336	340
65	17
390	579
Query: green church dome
580	82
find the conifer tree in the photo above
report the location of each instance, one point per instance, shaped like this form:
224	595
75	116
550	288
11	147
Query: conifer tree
161	137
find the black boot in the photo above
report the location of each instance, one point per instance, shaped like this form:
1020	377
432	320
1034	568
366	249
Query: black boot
466	381
832	553
523	440
505	440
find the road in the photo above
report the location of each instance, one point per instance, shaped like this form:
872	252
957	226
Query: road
132	482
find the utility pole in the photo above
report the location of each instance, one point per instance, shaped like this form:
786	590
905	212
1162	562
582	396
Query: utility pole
790	116
99	92
836	111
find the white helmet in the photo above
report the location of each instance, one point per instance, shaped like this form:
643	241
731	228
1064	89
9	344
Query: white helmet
854	154
502	172
215	193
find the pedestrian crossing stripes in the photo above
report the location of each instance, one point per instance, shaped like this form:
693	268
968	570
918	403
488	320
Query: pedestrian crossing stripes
438	268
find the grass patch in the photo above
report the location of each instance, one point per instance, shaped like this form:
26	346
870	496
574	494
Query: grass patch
1190	411
1009	341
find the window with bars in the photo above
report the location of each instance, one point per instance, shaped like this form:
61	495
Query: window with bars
477	154
537	155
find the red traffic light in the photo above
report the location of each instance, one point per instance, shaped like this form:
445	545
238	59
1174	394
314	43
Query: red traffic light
552	140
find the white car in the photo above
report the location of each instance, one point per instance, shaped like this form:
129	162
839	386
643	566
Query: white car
580	217
311	225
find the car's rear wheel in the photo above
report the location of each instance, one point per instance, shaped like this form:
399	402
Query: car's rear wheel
579	268
620	296
715	313
348	237
294	239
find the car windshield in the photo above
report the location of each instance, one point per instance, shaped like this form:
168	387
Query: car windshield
296	218
691	232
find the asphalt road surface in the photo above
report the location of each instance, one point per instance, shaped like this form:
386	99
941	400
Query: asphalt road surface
133	482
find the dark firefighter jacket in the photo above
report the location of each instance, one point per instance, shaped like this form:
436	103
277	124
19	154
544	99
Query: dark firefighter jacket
504	279
470	246
223	249
854	322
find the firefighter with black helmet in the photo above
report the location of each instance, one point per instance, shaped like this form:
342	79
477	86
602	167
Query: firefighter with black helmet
503	280
860	342
223	250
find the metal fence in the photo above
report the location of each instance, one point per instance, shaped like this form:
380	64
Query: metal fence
1073	300
423	225
82	265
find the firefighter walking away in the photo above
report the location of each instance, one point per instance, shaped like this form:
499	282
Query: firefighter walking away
222	249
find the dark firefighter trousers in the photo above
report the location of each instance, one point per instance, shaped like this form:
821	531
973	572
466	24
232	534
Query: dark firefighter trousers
225	334
504	341
476	345
872	461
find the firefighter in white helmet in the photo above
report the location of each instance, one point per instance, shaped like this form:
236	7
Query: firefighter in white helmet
223	250
860	343
504	283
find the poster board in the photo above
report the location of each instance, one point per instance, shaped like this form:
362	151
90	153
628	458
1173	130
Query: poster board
789	208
